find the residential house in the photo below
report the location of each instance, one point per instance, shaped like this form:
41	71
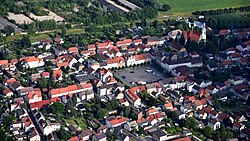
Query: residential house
71	89
115	121
58	51
214	124
125	42
34	96
138	59
31	62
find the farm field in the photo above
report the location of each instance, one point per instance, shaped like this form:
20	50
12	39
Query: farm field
185	7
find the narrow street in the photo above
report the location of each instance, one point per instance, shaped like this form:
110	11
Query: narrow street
43	138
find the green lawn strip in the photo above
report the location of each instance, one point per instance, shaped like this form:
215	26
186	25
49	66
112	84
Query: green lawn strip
185	7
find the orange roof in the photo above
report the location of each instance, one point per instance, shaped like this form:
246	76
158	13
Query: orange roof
105	44
150	118
183	139
151	111
142	56
191	98
118	121
36	92
91	47
45	74
132	95
138	41
115	60
169	105
75	138
63	90
85	52
6	91
57	74
73	49
127	41
87	85
11	80
63	64
31	59
197	103
3	62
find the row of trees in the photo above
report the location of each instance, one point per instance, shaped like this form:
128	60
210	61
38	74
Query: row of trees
39	26
222	11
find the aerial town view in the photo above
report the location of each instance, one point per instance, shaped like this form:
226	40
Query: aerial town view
125	70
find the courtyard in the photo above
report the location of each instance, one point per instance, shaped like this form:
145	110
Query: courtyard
141	74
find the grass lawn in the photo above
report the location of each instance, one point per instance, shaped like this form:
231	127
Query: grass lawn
78	121
185	7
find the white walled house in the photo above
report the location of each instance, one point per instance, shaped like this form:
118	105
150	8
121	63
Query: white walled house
31	62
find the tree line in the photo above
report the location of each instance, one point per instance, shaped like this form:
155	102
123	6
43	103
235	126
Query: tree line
222	11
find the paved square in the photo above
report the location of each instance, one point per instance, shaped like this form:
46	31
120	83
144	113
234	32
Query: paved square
137	74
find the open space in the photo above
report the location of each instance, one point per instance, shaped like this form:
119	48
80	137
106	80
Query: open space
137	74
185	7
19	18
51	15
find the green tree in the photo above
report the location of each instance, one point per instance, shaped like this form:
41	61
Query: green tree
74	99
101	113
57	107
8	30
64	32
63	134
25	42
208	132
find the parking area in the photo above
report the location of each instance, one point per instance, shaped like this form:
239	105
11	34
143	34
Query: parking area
139	74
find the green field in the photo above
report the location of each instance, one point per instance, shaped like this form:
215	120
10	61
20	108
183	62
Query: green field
185	7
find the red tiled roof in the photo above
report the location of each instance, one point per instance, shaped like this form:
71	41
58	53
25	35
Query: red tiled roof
57	74
142	56
127	41
183	139
3	62
169	105
118	121
193	35
73	49
36	92
138	41
75	138
42	103
31	59
197	103
115	60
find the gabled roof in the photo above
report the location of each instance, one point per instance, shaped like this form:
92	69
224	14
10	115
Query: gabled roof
118	121
193	35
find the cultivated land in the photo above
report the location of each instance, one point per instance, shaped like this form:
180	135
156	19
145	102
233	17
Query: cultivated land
185	7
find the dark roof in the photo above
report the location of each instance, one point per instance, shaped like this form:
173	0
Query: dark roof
177	46
159	133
